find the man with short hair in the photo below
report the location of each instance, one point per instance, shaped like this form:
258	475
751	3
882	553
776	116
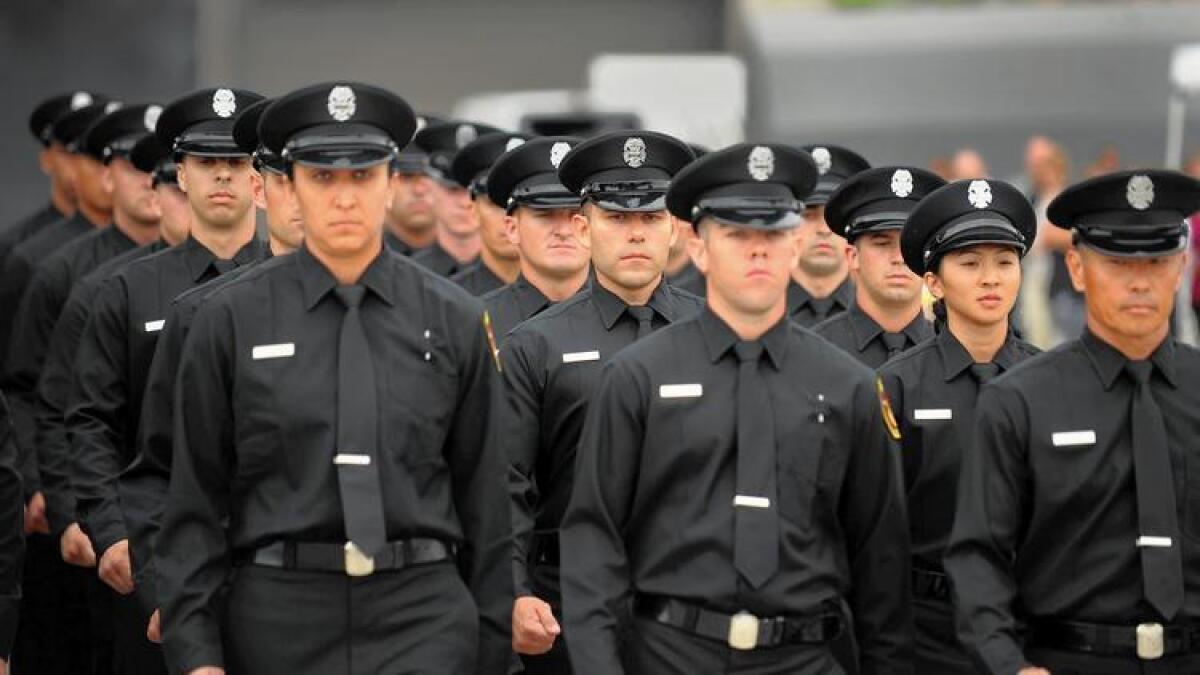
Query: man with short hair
410	226
735	492
499	261
538	212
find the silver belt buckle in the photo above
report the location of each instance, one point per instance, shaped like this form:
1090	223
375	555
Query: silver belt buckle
358	564
743	631
1150	644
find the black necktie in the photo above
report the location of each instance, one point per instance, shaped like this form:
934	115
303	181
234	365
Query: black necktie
821	307
984	372
894	342
756	514
643	315
357	409
1158	521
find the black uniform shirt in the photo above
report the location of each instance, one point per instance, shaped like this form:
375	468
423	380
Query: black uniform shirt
808	311
399	245
18	231
110	372
933	395
1047	518
652	510
551	365
860	336
478	279
437	259
54	388
510	305
142	486
40	308
256	413
12	535
24	259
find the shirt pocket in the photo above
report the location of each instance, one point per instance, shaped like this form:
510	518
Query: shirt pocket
801	449
417	412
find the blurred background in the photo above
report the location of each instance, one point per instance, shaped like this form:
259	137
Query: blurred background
1038	93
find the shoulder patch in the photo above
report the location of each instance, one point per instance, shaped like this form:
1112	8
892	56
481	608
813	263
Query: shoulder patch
491	340
885	406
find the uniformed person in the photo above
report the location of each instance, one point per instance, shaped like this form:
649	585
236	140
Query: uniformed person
970	258
681	271
135	216
552	361
54	383
143	484
736	506
119	337
382	543
538	212
499	262
51	159
409	225
456	246
1075	546
886	316
822	286
12	539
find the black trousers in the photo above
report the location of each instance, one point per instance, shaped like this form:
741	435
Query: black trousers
938	651
420	620
546	585
53	631
132	652
1075	663
655	649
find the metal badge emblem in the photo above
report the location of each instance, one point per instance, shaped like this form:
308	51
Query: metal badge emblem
1139	192
224	103
823	159
557	152
761	163
342	103
150	118
979	193
634	152
902	183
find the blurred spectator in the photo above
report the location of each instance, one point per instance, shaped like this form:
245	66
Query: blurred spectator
940	165
1051	308
1108	161
967	163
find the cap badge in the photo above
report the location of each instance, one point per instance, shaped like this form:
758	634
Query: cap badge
902	183
761	163
80	99
1140	192
634	152
514	142
224	103
979	193
150	118
112	106
342	103
421	122
823	159
464	134
558	151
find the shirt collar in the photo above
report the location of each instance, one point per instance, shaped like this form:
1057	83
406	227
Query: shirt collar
956	359
199	259
611	307
798	296
317	282
865	329
719	338
529	298
1109	362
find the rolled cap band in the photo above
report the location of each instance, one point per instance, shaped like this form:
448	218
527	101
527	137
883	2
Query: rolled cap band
974	230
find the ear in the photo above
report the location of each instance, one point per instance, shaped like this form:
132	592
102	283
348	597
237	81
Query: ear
934	284
258	189
44	160
511	230
583	227
675	233
108	182
698	251
181	176
390	199
1074	260
852	257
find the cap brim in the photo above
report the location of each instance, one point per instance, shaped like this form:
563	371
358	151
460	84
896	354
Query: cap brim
752	219
630	202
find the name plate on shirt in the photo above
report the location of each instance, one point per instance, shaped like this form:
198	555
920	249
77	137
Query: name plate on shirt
681	391
1066	439
155	326
923	414
280	351
580	357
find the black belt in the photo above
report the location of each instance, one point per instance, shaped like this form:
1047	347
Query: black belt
545	549
930	584
1146	641
327	557
741	630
